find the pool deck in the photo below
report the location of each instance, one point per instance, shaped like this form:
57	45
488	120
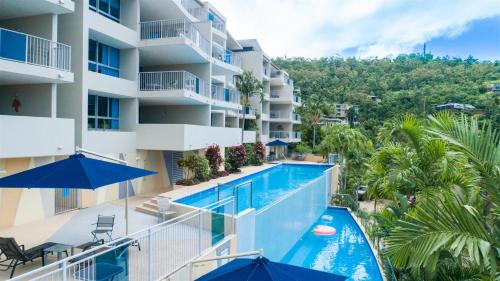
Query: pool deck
181	191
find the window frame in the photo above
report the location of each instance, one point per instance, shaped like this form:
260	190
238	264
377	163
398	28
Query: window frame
97	66
108	117
107	14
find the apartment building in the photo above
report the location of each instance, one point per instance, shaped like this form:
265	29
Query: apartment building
147	81
35	62
275	114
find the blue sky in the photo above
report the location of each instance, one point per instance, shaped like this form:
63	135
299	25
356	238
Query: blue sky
367	28
481	40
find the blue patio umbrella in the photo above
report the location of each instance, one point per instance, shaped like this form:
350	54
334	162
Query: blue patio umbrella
261	269
277	143
77	172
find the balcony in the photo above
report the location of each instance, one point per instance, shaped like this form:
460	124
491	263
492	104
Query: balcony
25	8
220	93
250	112
25	136
181	87
223	59
284	97
281	78
194	9
27	59
284	116
172	42
184	137
279	134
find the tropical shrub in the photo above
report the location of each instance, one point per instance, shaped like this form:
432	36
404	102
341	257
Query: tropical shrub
303	149
250	154
236	158
259	153
214	159
197	169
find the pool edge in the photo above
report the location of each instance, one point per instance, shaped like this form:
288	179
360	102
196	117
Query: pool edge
365	236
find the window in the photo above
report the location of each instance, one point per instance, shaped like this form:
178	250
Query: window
104	59
103	113
107	8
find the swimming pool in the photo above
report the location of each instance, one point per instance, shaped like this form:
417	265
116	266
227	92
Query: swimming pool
345	253
267	185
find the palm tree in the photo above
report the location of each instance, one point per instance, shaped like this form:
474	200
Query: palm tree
350	143
412	161
479	143
444	225
314	108
452	231
248	86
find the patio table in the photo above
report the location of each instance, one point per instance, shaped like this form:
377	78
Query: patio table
59	249
98	272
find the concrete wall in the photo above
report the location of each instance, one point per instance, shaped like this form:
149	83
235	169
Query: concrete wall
36	100
175	114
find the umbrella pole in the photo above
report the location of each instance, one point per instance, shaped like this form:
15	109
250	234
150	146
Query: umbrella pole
126	208
80	150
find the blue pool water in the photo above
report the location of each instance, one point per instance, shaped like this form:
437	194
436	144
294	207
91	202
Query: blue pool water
267	185
346	253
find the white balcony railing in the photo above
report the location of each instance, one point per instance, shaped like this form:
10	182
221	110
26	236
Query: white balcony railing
171	80
220	26
225	94
153	253
152	30
194	9
226	55
275	94
249	110
279	134
280	115
34	50
296	135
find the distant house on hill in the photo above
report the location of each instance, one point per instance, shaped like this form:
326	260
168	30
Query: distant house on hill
455	106
375	99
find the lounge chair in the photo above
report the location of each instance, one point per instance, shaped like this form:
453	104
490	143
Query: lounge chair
15	254
104	225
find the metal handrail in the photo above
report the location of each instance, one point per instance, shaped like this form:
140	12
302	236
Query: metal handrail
153	30
42	52
235	192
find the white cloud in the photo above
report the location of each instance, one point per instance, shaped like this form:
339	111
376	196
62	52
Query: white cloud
314	28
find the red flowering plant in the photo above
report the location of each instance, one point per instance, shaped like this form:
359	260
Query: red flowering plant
215	160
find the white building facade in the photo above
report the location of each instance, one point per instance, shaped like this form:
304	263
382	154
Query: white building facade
147	81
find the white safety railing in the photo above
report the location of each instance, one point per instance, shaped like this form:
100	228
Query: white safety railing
225	94
152	30
275	94
249	110
34	50
226	56
171	80
220	26
193	8
150	254
297	135
279	134
280	115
